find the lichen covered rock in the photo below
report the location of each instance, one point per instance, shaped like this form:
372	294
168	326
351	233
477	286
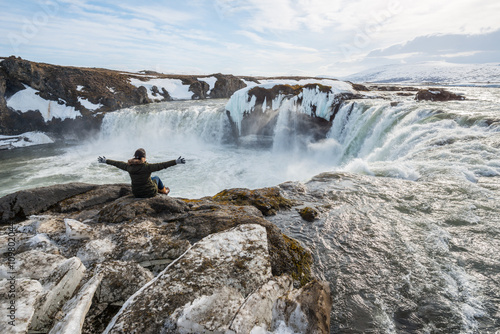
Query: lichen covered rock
267	200
177	265
207	269
308	213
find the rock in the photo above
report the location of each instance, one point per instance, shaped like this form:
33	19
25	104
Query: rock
76	230
33	264
75	310
120	281
206	314
17	317
437	94
257	308
40	242
308	213
129	208
306	310
47	224
267	200
223	260
98	250
312	108
146	243
237	259
96	197
59	287
21	204
394	88
226	85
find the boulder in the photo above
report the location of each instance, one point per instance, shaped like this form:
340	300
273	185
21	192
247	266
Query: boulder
306	310
97	250
19	205
437	94
59	286
226	85
256	310
96	197
267	200
235	261
309	214
75	310
17	317
40	242
129	208
76	230
120	280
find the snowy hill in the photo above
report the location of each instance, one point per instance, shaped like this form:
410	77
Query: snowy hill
431	72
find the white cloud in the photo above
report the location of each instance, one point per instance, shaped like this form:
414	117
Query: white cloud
241	36
282	45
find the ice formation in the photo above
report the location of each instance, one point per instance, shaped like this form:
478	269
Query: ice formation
313	101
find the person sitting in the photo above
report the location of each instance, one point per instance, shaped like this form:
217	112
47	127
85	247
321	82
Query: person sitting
143	185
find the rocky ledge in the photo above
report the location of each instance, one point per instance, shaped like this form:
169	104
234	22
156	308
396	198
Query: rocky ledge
437	94
63	98
84	258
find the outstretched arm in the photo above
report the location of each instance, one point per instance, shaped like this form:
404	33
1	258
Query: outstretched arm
162	165
120	164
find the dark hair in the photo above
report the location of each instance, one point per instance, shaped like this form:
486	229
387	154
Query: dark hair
140	153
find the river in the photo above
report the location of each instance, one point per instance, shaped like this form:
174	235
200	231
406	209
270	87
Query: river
408	194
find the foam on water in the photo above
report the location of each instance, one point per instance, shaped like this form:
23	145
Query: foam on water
408	237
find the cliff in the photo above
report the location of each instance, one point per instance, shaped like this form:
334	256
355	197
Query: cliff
306	105
50	98
86	259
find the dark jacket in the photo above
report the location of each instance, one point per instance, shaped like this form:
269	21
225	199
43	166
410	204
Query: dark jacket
140	175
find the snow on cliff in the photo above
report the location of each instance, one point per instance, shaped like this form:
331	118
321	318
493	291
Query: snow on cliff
435	72
174	87
310	101
28	99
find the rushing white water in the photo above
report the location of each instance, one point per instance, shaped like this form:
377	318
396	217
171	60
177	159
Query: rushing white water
409	230
413	140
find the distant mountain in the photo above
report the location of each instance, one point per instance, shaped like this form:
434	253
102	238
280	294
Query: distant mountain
431	72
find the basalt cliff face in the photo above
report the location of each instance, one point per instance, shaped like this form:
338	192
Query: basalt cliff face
87	93
84	258
72	100
62	99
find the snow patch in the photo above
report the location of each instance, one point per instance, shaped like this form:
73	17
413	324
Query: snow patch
25	139
89	105
436	72
174	87
79	88
210	81
27	99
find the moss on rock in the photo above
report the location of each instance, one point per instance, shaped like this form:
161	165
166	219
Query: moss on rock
308	213
267	200
299	265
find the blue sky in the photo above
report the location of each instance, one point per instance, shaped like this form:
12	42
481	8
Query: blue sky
250	37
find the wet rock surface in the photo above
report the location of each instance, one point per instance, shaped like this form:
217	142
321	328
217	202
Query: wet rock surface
93	258
437	94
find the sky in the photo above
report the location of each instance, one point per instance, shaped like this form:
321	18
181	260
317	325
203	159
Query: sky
332	38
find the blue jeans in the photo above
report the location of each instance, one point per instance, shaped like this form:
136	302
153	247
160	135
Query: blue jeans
158	182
